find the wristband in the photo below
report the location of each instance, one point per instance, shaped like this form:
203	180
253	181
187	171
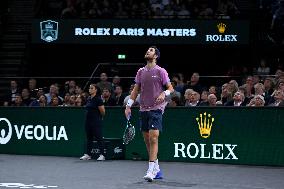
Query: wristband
129	102
167	92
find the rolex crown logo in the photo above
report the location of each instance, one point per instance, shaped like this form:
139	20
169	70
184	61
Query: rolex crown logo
205	123
221	27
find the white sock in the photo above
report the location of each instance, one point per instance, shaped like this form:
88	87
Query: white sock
151	166
156	162
157	167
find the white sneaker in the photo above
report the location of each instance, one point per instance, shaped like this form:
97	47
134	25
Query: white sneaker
156	170
85	157
101	158
156	167
150	176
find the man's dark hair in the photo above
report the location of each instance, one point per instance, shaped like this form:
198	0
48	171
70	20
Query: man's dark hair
157	52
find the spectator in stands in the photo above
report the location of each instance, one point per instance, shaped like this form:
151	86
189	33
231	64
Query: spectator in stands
212	90
120	12
78	90
194	99
257	101
115	82
118	96
268	85
72	100
174	102
80	101
243	90
33	88
194	83
280	85
54	101
157	13
71	87
187	95
53	91
178	78
238	100
249	85
204	96
42	101
70	11
205	11
40	92
85	95
263	70
226	9
143	12
226	95
259	90
175	93
94	123
66	101
183	13
11	94
278	98
212	100
278	74
18	100
103	83
156	4
26	97
255	79
168	12
233	86
107	98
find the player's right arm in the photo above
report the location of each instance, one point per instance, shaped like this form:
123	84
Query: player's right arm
131	100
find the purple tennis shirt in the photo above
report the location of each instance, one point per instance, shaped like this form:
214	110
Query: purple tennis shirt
151	82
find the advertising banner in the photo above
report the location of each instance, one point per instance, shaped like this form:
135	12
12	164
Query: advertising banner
42	131
225	135
140	31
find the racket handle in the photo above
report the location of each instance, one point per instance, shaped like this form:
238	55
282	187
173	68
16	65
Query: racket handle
128	116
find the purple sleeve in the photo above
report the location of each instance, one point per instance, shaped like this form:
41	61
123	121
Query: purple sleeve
138	77
165	77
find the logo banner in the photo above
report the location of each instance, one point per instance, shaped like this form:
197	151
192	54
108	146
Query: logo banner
140	31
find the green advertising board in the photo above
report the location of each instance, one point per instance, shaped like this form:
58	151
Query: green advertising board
253	136
42	131
226	135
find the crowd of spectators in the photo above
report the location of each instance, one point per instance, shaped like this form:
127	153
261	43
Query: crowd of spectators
136	9
272	10
261	88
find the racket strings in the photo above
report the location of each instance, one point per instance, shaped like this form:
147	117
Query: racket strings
128	134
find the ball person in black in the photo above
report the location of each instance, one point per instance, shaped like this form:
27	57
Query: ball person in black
94	123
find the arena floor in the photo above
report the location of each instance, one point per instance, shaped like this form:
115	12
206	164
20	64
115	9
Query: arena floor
22	171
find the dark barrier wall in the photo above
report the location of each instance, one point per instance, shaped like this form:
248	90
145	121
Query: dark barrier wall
253	136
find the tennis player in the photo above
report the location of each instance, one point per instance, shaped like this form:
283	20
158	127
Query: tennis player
151	81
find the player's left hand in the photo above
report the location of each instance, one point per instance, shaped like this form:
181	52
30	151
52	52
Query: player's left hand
161	98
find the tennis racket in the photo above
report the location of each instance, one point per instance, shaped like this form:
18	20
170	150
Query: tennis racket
129	132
